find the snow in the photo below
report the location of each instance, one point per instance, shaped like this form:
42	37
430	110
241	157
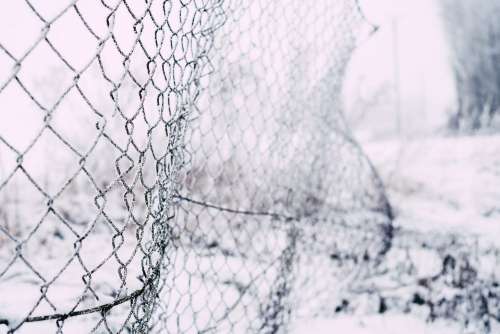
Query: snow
374	324
439	186
444	183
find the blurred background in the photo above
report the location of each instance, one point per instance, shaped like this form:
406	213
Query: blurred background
400	80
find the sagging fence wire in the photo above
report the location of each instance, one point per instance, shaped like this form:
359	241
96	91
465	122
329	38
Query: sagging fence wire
276	186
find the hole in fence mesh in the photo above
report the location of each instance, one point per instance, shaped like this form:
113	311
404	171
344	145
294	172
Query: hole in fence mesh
179	166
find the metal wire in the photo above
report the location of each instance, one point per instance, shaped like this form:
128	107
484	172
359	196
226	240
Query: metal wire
85	218
276	186
180	166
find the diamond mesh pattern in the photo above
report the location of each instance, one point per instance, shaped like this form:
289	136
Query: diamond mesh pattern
179	166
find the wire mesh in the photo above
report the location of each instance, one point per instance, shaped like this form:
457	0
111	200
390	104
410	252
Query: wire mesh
180	166
95	101
279	210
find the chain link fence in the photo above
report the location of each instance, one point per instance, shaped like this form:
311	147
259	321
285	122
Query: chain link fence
180	166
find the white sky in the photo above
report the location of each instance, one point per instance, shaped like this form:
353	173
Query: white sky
426	86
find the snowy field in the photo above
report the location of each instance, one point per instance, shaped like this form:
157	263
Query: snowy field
447	184
374	324
438	187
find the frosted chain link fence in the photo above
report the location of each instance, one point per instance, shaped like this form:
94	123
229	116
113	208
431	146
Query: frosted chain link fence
180	166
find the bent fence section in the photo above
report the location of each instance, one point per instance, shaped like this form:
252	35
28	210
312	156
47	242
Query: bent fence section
180	166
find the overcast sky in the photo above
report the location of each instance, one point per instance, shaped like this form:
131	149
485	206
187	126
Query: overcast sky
426	86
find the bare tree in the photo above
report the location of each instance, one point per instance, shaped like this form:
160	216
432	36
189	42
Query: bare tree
473	31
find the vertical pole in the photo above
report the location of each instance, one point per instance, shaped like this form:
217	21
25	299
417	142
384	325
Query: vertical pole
423	99
397	97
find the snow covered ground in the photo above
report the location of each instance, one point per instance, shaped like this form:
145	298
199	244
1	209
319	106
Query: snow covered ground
448	184
374	324
440	188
